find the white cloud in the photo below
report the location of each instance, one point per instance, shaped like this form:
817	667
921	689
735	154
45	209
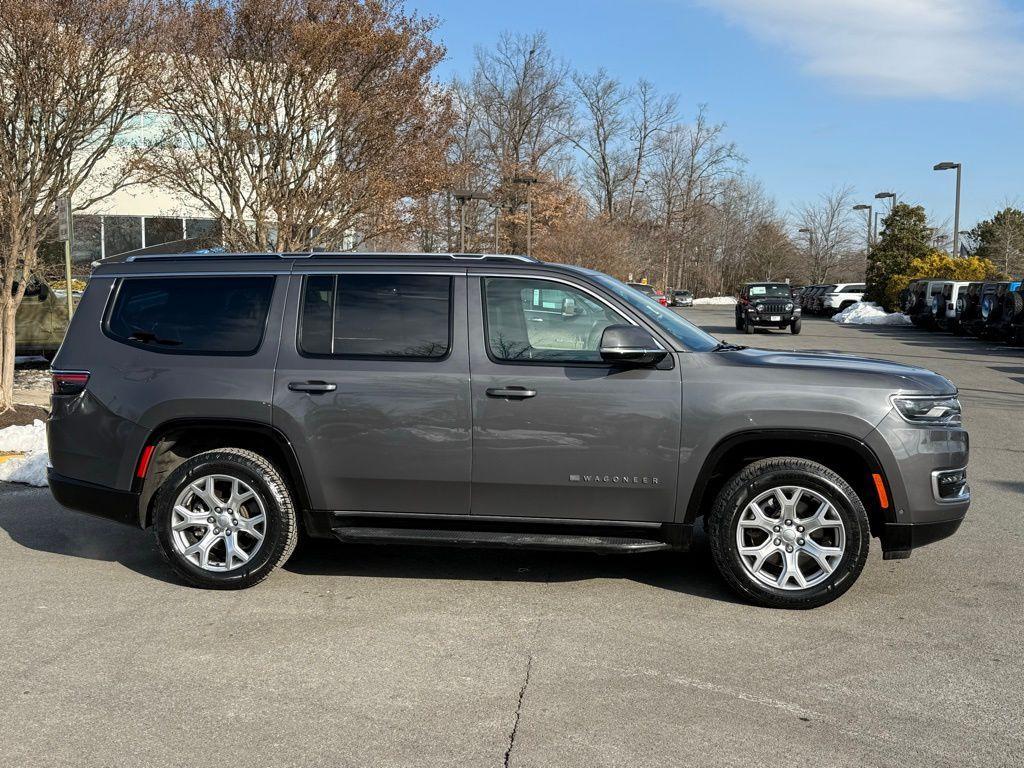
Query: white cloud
954	49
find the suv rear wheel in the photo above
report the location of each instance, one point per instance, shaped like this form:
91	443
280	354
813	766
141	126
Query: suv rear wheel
788	533
224	519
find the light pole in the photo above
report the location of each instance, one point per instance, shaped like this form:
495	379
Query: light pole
956	215
870	218
887	195
529	181
810	239
463	196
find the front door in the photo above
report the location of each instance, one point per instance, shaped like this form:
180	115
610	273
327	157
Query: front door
372	387
558	433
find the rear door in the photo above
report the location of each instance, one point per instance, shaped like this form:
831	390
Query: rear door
372	386
558	433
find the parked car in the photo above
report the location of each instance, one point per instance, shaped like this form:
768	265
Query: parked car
1016	333
968	308
41	320
650	290
986	297
944	305
918	305
227	401
767	305
841	296
680	298
807	297
1000	305
818	300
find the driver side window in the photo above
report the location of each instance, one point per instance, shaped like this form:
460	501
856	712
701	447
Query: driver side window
544	321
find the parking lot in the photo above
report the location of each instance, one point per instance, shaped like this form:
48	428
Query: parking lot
363	656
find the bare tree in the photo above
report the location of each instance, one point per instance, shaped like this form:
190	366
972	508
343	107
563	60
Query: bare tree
605	127
302	123
652	115
73	75
832	236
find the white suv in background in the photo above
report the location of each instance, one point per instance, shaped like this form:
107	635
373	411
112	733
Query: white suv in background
841	296
944	300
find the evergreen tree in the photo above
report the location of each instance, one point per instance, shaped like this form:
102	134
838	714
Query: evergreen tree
906	237
1001	240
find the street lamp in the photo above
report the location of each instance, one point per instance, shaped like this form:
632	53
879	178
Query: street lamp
956	216
528	181
867	208
464	196
890	196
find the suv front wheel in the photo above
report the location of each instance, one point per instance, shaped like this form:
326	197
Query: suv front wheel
224	519
788	533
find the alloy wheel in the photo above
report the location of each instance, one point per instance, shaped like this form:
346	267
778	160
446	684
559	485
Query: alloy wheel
790	537
218	523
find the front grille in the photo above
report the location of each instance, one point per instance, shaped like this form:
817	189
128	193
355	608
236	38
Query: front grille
773	307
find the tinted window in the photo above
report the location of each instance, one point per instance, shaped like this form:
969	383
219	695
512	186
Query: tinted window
543	321
405	316
198	315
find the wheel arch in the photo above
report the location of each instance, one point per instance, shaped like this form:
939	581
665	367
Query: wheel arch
845	454
176	440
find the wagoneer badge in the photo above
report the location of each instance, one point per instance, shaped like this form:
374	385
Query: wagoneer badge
614	479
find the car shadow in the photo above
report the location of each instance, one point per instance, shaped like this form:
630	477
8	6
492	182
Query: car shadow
691	572
40	524
33	521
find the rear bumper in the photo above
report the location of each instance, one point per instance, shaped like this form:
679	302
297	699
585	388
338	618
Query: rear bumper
900	539
98	500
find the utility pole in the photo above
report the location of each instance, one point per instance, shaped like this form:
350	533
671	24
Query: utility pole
65	233
870	219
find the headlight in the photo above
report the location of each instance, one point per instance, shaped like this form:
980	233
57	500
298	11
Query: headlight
928	409
759	307
789	307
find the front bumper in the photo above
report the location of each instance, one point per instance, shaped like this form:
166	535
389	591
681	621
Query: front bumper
98	500
767	318
913	458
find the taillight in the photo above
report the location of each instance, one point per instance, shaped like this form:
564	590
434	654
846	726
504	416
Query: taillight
69	382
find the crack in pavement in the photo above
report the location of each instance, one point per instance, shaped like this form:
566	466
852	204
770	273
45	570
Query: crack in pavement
519	711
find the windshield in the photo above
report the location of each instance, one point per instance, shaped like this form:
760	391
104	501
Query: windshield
686	333
770	291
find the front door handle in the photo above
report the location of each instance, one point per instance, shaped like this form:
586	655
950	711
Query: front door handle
520	393
312	386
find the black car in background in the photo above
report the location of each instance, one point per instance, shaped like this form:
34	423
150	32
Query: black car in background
767	305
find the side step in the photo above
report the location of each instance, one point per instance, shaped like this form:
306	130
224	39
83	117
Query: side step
497	539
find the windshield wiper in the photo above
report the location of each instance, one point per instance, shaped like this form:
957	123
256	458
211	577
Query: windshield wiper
725	346
151	338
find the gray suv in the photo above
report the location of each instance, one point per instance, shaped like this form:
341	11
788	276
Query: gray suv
234	402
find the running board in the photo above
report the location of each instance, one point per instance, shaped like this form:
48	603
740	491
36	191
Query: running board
497	539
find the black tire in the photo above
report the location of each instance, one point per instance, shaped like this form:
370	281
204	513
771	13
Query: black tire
794	327
748	327
281	529
721	524
739	324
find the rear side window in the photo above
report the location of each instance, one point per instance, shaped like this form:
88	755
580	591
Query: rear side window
192	315
390	316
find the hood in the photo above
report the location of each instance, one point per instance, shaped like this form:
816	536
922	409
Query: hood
843	370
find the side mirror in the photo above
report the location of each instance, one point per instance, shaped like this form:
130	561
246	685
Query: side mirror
630	345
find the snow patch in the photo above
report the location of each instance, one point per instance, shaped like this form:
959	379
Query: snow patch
716	300
29	439
869	313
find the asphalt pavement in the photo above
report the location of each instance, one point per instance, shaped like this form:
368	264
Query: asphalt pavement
401	656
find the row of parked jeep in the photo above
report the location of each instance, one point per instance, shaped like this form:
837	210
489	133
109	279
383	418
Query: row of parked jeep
828	299
990	310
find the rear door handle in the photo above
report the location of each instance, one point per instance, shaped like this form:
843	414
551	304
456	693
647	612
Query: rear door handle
312	386
519	393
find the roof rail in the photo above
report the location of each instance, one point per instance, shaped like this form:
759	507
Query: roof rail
330	255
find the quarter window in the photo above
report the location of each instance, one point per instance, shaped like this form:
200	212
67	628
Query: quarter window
544	322
393	316
197	315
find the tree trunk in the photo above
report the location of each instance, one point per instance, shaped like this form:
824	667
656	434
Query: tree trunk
7	312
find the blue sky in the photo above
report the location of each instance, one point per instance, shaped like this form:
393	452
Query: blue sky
816	93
